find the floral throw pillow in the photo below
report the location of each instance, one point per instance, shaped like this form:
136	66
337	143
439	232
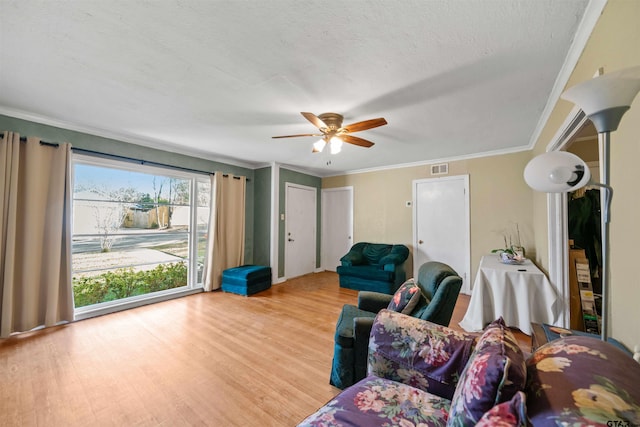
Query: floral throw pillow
507	414
494	374
421	354
406	298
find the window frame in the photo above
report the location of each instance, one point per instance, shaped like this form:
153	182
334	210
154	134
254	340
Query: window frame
192	286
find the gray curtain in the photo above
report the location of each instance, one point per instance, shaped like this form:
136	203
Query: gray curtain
225	248
35	234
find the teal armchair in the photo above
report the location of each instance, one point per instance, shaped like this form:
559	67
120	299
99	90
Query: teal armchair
439	287
376	267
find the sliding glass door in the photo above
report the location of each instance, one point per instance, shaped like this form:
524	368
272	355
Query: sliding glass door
137	230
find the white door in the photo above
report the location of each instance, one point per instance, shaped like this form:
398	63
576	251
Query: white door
300	230
441	224
337	225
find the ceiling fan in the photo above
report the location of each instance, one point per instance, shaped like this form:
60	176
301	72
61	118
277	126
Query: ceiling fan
333	133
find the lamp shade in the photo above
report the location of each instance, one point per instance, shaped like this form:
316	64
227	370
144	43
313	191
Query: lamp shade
319	146
556	172
336	145
606	98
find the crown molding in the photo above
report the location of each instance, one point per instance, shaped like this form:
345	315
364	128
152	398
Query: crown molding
434	161
123	137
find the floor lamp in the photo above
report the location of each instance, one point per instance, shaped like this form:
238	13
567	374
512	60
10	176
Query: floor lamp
604	100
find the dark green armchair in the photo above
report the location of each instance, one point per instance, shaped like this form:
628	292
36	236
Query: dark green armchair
439	287
376	267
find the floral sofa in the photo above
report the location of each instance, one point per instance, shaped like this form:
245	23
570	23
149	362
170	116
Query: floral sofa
422	374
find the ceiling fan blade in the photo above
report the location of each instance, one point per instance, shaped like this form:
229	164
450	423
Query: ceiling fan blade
364	125
315	120
295	136
356	141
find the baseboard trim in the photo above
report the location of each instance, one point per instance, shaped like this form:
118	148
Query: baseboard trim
113	307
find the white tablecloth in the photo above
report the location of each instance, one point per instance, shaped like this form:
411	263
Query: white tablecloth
520	297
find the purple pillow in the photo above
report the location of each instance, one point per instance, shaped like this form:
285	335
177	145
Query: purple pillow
506	414
494	374
406	298
418	353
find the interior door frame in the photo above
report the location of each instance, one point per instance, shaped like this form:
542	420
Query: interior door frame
558	204
324	238
557	219
466	289
286	227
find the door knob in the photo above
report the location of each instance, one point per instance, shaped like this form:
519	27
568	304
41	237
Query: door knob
291	240
420	242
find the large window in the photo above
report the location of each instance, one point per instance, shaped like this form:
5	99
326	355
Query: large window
138	232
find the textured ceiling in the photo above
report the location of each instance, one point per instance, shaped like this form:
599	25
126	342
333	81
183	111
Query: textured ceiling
219	78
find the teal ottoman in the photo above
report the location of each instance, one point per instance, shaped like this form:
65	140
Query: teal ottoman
246	279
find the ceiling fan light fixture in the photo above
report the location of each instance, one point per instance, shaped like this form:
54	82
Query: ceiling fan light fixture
336	145
334	134
318	146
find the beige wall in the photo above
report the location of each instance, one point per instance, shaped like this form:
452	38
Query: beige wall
613	45
498	198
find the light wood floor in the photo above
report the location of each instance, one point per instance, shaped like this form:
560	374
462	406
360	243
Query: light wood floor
212	359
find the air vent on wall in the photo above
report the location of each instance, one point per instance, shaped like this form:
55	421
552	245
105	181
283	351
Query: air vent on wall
440	169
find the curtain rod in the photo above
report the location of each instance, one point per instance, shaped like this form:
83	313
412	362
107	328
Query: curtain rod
24	139
128	159
146	162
